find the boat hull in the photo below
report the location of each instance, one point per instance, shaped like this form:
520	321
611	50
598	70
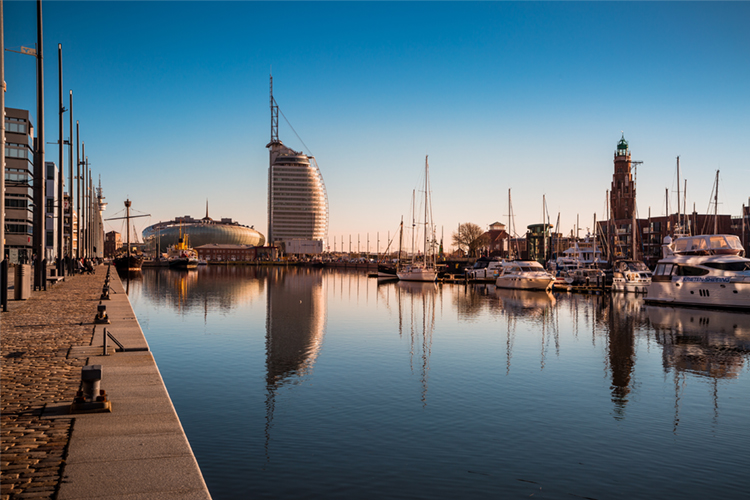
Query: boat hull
128	263
525	282
701	291
183	263
417	274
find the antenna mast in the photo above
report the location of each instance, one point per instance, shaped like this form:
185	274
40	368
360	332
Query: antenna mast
274	117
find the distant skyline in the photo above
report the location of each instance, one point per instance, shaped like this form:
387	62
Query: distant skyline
173	104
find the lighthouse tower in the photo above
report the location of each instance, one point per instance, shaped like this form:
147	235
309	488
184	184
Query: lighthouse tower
622	194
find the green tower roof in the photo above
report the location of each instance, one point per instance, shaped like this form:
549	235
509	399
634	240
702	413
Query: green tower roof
623	144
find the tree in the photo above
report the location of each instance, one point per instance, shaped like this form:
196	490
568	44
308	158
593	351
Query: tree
470	238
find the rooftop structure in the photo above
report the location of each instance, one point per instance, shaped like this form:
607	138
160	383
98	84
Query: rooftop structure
297	199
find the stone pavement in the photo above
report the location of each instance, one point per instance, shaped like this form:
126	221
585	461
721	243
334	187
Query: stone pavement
139	450
36	335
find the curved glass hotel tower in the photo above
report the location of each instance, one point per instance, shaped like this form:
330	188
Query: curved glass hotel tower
297	199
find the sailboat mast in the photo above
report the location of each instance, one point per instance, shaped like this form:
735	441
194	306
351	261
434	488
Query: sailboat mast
716	205
426	188
127	225
679	217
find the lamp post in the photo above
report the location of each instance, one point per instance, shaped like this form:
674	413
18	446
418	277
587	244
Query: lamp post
39	181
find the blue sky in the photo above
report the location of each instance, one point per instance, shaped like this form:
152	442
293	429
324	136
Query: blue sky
172	99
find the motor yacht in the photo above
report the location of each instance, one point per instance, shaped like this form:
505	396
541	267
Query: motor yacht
702	271
524	275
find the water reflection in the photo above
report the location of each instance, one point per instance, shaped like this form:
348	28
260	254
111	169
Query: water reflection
416	313
210	288
295	326
580	360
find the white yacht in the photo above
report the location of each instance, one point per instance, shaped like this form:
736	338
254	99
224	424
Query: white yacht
630	276
704	271
524	275
485	269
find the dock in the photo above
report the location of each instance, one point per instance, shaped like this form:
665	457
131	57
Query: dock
136	450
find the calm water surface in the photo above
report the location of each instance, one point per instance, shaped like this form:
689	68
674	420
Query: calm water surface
299	383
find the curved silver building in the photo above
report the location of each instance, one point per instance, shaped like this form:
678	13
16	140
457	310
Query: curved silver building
201	232
297	199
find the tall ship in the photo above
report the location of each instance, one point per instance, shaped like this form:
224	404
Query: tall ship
128	260
702	271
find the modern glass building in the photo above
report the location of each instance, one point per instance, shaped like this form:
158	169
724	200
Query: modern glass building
200	232
297	199
19	181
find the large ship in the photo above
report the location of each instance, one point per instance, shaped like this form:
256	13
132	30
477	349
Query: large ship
702	271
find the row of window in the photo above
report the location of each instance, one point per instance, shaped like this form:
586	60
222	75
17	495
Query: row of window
17	151
16	125
18	228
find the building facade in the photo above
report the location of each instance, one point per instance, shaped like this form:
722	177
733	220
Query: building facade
19	192
51	206
297	199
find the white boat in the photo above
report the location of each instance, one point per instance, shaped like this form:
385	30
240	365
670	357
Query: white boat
524	275
485	269
702	271
423	269
630	276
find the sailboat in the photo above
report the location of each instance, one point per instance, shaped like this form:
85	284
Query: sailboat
128	261
424	269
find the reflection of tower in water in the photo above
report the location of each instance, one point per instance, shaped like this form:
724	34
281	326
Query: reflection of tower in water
295	325
621	350
416	307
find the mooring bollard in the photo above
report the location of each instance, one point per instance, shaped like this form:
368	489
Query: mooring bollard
105	292
91	398
91	379
101	317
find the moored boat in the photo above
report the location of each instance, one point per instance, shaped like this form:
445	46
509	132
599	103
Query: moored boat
524	275
630	276
181	256
702	271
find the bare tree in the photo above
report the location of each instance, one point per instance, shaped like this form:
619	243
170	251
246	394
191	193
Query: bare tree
470	238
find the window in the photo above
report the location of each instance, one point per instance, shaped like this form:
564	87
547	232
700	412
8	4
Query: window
690	271
729	266
50	238
50	171
50	205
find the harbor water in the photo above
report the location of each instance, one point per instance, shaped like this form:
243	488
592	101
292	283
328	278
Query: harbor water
316	383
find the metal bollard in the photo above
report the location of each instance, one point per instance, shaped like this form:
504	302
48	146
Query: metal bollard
91	398
91	379
105	292
101	317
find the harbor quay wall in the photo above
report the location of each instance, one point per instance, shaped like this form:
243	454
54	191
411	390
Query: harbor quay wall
137	450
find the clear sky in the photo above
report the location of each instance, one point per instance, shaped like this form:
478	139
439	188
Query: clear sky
173	104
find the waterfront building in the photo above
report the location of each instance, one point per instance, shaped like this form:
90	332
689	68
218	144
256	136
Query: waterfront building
538	240
51	206
297	199
498	241
160	236
214	252
19	195
112	242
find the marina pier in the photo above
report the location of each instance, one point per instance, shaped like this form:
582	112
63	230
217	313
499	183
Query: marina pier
138	448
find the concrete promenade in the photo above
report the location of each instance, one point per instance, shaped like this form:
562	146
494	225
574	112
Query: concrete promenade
139	450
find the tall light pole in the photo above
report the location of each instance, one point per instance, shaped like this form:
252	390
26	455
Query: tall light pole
71	185
61	175
39	177
3	261
79	254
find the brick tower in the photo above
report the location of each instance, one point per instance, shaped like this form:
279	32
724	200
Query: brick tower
622	195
